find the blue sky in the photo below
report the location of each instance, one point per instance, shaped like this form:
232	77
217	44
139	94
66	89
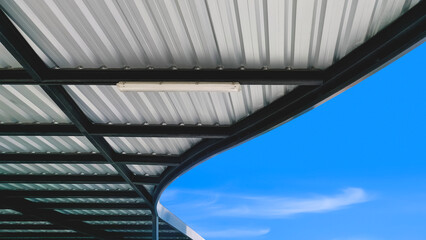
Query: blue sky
352	169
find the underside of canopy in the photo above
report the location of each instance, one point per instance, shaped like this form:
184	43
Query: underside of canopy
81	159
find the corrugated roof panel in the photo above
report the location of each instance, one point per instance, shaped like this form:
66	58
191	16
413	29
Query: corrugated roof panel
120	222
106	104
36	231
7	60
87	200
211	33
104	211
64	187
9	211
28	104
45	144
139	230
58	169
130	230
25	223
147	170
151	145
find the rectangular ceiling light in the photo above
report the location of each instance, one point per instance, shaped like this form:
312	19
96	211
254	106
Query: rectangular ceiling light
179	86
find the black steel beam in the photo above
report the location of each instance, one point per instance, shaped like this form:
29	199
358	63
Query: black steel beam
112	235
50	238
84	158
114	130
38	130
10	76
399	37
130	227
68	179
146	235
81	158
18	218
67	194
28	226
108	218
147	160
93	226
29	208
113	76
44	235
50	205
159	131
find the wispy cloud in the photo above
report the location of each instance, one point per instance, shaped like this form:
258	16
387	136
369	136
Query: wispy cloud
275	207
212	203
236	233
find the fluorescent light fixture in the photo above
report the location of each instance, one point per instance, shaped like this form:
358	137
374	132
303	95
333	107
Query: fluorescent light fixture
179	86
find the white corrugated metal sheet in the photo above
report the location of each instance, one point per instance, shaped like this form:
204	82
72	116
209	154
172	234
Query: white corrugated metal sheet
28	104
147	170
132	230
87	200
45	144
36	231
121	222
148	145
58	169
9	211
104	211
106	104
188	33
64	187
7	60
25	223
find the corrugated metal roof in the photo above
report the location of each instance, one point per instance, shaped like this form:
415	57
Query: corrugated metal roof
25	223
87	200
58	169
37	231
9	211
130	230
104	211
188	33
64	187
28	104
45	144
147	170
121	222
151	145
106	104
7	60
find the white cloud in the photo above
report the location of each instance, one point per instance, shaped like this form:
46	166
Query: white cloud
276	207
211	203
235	233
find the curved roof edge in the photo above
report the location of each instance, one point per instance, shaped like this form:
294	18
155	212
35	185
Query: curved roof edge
175	222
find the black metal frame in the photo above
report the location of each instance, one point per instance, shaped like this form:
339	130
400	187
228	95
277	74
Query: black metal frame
116	130
318	86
